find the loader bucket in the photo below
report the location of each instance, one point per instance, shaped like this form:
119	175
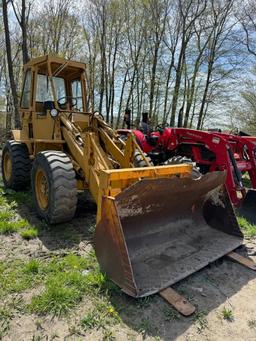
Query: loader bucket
158	231
248	207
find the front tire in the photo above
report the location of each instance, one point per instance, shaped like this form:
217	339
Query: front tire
16	165
177	160
54	187
139	160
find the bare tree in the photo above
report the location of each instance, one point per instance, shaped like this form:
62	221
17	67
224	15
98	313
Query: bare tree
22	16
54	28
246	15
10	63
220	31
201	39
171	41
189	11
158	18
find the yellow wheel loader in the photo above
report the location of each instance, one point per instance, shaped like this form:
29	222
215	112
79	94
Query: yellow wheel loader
155	225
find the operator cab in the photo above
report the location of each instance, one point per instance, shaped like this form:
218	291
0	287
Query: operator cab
51	86
54	84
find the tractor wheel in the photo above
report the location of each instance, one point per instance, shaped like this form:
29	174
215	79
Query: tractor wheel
54	186
16	166
139	161
176	160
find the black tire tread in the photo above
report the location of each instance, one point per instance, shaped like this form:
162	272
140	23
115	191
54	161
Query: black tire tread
21	165
139	161
63	192
175	160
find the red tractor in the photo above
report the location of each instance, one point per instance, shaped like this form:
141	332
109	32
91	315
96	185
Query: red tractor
210	151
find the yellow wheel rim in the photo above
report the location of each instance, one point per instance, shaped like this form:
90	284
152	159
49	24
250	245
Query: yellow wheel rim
7	166
42	188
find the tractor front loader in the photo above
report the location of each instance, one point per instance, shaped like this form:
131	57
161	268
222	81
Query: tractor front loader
211	151
155	224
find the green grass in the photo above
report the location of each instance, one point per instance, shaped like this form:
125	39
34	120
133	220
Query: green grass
248	229
18	197
5	319
56	299
66	283
18	275
6	215
70	263
32	267
9	221
144	302
227	314
146	327
101	316
29	233
63	281
171	314
201	321
2	200
8	227
108	335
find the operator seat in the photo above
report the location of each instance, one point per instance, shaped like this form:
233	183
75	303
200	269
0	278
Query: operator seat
152	140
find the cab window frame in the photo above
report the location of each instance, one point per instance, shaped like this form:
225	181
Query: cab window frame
81	97
50	88
23	103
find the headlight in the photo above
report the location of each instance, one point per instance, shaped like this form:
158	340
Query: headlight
54	112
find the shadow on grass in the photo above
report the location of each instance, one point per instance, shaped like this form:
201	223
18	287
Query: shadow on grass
59	236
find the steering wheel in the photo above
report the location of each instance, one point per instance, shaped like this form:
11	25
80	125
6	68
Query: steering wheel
161	126
63	101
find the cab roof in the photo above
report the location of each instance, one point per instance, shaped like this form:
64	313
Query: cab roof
54	59
59	66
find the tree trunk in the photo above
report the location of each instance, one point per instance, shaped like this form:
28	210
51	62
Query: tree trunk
177	84
24	33
153	80
121	100
207	83
10	64
201	112
167	89
22	19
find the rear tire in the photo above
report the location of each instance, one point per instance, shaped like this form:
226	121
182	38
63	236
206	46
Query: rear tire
176	160
16	165
54	187
139	161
